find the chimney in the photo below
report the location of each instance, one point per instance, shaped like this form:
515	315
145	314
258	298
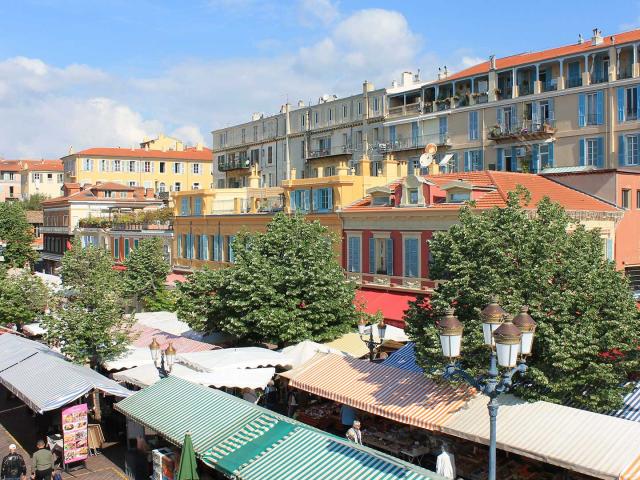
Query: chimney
596	39
70	189
139	192
439	73
492	62
300	104
580	39
256	116
446	72
146	147
199	146
149	193
70	149
367	86
406	79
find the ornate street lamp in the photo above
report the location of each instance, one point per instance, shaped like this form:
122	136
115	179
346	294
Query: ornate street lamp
161	357
509	340
370	342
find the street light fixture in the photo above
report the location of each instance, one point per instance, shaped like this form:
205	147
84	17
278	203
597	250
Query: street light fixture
508	339
370	342
161	357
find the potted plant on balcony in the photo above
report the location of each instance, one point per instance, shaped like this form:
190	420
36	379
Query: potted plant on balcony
495	131
498	91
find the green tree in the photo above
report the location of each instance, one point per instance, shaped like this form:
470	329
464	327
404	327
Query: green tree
90	324
17	234
587	335
34	202
285	286
146	274
23	298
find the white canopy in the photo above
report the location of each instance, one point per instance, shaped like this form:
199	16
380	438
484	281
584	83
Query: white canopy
169	322
133	357
247	357
390	333
304	351
33	329
146	375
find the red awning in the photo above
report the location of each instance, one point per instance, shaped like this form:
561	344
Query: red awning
391	304
119	268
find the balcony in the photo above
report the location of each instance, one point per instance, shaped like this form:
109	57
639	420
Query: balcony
235	163
51	229
550	85
525	89
573	82
404	110
329	151
385	282
482	97
626	71
157	226
527	130
414	143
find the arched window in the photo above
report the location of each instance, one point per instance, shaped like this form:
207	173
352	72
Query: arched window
162	187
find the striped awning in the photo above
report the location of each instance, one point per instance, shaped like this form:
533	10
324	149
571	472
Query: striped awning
632	472
590	443
308	455
399	395
405	358
146	334
631	408
231	435
14	349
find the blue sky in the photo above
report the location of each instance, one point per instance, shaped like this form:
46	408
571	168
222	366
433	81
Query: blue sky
98	73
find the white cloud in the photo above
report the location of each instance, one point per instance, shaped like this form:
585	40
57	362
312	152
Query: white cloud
312	11
53	107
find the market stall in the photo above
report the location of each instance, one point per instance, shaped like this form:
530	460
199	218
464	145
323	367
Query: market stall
247	357
304	351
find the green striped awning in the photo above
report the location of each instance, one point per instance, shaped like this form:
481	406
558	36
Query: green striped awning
309	455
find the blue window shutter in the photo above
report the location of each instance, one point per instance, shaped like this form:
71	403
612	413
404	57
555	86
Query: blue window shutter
620	105
231	256
185	206
306	200
205	247
330	199
609	249
481	158
599	107
411	257
551	159
621	152
514	116
581	110
514	160
389	256
500	159
499	116
316	200
392	134
535	113
350	254
552	114
582	149
116	248
292	200
372	255
467	164
179	244
414	133
638	99
600	161
533	168
356	254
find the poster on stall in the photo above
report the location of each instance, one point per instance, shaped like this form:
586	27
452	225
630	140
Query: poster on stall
74	431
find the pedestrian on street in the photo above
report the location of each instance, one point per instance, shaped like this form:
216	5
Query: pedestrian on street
42	462
13	466
354	434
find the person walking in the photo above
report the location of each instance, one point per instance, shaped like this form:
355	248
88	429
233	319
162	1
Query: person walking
354	434
13	466
42	462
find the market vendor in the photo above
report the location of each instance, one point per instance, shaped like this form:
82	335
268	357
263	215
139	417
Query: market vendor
354	434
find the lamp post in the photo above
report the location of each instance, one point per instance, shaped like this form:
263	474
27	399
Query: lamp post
370	342
508	340
160	357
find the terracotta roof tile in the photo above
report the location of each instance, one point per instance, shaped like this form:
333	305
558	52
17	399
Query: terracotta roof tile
10	165
187	153
42	165
534	57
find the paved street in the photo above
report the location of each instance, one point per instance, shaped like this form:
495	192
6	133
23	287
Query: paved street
16	427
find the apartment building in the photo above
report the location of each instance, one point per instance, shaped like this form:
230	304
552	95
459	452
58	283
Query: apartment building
63	215
163	164
571	106
10	180
42	177
304	141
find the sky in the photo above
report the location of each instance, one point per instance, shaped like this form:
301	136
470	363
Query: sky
89	73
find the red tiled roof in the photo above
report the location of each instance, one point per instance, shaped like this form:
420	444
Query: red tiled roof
187	154
535	57
505	182
42	165
10	165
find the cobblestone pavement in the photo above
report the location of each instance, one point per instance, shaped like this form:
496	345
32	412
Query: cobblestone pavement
17	426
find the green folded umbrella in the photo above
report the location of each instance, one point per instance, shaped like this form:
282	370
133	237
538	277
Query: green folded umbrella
188	469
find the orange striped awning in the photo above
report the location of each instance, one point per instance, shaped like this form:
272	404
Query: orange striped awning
632	472
393	393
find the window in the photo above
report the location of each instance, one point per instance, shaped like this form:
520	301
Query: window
176	187
637	198
353	253
117	165
631	151
87	164
412	196
197	206
269	154
133	183
360	108
104	165
473	161
545	111
162	187
628	103
411	257
127	248
316	117
243	135
591	109
381	256
270	180
626	198
229	250
592	152
136	242
178	167
116	248
123	194
459	197
379	201
217	243
37	177
473	125
131	165
331	114
195	186
147	166
345	111
60	177
322	199
196	169
443	128
300	200
376	104
545	154
49	177
162	167
303	119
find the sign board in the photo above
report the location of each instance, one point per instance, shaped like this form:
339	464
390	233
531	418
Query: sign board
74	431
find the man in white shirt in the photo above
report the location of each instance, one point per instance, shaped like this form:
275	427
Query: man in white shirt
354	434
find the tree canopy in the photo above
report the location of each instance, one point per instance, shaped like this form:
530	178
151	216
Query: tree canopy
17	233
587	335
34	202
23	297
89	324
146	274
284	286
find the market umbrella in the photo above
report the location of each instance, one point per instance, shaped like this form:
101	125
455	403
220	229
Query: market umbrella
188	464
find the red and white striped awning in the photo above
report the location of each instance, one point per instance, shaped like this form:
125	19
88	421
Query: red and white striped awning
392	393
632	472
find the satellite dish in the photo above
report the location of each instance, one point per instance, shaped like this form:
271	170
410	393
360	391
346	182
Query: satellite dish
426	159
431	148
